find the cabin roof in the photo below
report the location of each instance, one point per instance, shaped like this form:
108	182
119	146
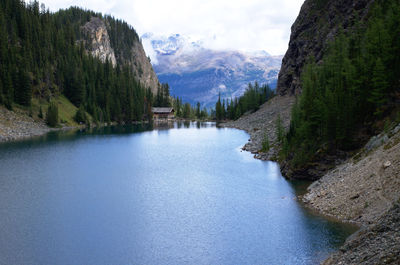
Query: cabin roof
162	110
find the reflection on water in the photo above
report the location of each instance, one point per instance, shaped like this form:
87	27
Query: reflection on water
180	193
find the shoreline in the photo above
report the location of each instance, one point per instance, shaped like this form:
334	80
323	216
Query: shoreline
362	190
16	125
262	123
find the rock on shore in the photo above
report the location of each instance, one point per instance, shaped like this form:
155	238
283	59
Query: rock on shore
365	190
263	122
364	187
376	244
17	125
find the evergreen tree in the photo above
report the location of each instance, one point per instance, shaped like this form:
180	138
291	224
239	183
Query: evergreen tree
280	130
357	76
40	115
23	93
52	114
41	53
198	111
186	111
80	115
379	87
218	109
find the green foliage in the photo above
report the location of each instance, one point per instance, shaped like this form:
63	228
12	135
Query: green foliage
23	92
41	54
198	110
80	115
52	114
163	97
280	130
178	107
218	109
251	100
186	111
356	83
40	115
380	84
387	126
265	144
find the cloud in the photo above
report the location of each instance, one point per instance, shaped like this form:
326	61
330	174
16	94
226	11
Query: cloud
246	25
150	51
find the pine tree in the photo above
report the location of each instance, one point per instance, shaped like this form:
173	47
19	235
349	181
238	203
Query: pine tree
218	109
23	92
80	115
52	114
40	115
280	130
186	111
198	112
379	87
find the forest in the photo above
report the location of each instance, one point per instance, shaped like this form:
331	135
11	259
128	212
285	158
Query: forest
354	91
254	96
42	56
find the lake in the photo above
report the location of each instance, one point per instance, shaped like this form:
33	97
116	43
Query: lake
143	195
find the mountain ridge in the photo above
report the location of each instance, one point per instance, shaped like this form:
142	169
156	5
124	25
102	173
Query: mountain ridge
197	73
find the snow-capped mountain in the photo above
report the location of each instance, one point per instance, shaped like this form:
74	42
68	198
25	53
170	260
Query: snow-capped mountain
199	74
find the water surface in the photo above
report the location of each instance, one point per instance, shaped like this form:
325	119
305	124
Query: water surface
132	195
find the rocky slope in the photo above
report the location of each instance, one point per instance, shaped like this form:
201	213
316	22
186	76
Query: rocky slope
316	25
365	191
98	40
364	187
97	34
376	244
140	63
16	125
262	122
199	74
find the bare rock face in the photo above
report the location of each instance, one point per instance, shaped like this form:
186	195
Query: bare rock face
142	67
99	40
315	27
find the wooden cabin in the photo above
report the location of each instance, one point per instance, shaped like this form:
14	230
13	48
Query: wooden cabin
163	114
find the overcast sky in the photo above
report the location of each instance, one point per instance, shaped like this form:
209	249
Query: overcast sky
246	25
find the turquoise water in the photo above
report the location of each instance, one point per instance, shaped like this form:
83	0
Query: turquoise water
137	195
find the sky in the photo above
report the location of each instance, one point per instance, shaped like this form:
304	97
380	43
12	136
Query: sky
245	25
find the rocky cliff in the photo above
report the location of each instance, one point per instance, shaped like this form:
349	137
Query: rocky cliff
140	63
363	189
98	41
124	50
316	25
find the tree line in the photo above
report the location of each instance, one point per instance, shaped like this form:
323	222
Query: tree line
355	87
42	55
187	111
254	96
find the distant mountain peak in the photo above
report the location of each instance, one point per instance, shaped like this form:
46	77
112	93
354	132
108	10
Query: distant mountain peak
197	73
168	45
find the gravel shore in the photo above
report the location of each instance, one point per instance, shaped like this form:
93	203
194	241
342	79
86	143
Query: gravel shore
15	125
363	190
263	122
378	243
364	187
